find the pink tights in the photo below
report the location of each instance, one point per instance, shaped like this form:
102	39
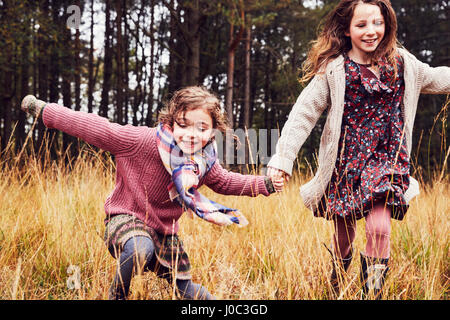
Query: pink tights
378	233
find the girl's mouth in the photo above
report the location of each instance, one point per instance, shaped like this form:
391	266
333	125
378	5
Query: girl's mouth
371	41
189	144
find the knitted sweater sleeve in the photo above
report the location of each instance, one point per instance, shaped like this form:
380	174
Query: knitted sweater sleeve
310	104
225	182
436	80
430	80
93	129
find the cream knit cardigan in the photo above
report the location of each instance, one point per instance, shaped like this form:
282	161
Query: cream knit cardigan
327	90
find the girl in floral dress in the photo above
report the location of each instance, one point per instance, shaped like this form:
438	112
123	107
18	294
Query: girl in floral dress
370	89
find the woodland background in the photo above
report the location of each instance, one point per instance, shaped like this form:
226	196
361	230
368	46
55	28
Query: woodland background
124	62
127	57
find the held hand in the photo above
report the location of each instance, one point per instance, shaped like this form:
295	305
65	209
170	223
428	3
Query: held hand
277	174
32	105
278	183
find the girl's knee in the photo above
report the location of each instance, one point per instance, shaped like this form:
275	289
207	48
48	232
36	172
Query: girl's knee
345	232
378	229
378	233
139	248
378	222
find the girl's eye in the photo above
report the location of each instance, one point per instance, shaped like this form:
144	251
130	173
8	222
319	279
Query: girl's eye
180	124
379	22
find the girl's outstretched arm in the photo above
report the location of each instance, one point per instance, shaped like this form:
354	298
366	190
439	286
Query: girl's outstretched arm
91	128
436	80
430	80
225	182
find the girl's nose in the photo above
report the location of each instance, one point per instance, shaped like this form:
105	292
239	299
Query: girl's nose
190	134
370	29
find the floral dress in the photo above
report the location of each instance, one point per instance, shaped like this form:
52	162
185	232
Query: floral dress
373	162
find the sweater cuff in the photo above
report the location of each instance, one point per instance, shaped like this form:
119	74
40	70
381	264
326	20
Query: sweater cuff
269	185
281	163
44	115
41	112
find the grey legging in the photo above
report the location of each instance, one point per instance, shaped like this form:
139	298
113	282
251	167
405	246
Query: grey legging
138	254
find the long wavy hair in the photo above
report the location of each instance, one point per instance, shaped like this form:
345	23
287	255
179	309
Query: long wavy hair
333	42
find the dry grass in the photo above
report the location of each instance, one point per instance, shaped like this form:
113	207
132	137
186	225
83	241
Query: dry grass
51	217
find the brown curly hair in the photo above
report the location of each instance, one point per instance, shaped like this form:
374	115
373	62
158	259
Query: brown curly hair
191	98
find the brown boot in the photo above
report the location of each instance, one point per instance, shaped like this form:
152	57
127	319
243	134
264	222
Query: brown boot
340	266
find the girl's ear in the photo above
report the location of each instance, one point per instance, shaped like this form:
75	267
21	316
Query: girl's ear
347	30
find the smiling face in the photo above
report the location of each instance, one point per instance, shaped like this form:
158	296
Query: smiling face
366	31
192	130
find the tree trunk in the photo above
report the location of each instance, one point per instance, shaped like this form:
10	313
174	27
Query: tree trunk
173	78
228	153
107	64
119	64
54	55
77	71
137	96
149	118
57	52
233	43
268	103
66	81
193	44
245	114
247	123
8	74
126	54
161	90
43	55
91	82
6	97
24	89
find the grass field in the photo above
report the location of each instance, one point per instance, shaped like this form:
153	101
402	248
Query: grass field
51	217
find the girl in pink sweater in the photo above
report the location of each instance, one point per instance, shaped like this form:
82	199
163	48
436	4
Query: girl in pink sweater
158	173
370	89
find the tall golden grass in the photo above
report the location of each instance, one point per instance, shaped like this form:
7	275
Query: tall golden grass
51	217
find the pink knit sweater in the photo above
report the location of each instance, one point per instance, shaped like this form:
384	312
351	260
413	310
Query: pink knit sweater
141	179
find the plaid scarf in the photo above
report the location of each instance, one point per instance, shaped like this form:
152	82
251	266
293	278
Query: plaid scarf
186	171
